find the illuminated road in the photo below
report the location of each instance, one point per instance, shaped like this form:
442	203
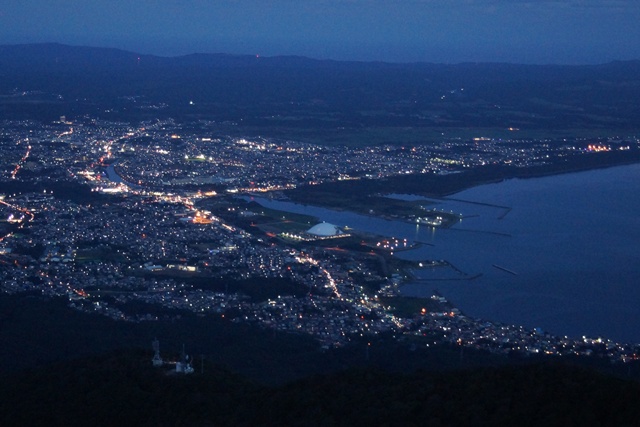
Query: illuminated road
69	132
22	160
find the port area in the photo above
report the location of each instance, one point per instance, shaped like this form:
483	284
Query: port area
435	218
413	307
436	270
368	259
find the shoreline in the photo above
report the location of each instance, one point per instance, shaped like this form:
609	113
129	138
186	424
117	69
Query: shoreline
441	186
534	173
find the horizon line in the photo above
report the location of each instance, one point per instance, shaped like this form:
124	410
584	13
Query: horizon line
362	61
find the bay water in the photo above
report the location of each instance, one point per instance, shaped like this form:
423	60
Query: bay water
561	253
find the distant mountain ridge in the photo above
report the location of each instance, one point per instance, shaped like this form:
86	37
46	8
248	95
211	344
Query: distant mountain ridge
58	50
356	94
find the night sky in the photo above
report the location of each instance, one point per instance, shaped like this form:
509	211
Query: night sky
448	31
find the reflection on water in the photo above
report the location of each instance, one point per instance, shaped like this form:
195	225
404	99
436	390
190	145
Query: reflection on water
572	241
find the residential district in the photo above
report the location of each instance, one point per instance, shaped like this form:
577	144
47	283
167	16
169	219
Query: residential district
127	222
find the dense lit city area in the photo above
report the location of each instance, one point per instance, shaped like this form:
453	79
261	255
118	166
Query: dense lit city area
116	218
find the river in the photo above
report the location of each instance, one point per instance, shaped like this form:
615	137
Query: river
572	240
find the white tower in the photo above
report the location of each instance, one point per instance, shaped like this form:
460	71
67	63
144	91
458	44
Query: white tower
157	360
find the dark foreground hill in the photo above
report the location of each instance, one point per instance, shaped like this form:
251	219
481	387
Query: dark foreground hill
61	367
287	93
123	389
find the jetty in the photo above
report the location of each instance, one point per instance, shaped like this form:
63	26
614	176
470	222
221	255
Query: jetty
505	269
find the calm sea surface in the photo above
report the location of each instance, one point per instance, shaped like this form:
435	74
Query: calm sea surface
573	242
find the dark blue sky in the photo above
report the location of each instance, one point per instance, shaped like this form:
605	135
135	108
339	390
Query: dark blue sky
522	31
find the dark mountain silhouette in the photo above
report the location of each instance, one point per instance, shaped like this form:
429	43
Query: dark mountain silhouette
298	91
124	389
